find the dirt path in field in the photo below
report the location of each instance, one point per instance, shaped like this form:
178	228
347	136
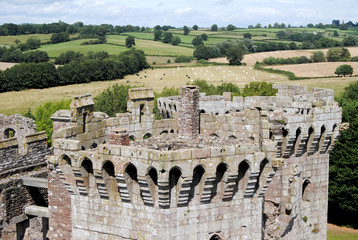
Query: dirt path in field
341	229
5	65
251	59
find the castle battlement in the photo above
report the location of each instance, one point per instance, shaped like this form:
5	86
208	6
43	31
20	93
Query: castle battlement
20	145
215	168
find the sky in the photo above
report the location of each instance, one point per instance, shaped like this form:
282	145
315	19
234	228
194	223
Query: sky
178	13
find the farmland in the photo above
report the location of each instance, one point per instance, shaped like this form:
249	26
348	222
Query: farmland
163	55
19	102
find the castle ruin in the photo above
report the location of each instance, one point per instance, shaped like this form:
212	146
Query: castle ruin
215	167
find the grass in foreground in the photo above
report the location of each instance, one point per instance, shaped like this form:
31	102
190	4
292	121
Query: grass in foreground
335	235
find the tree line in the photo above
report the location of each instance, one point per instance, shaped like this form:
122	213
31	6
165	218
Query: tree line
333	55
82	70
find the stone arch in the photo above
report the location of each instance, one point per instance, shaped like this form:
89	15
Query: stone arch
152	180
168	114
108	174
89	180
9	133
232	137
175	174
147	135
215	237
94	145
285	134
321	139
261	178
175	107
132	138
242	178
163	113
164	132
159	103
65	159
131	179
307	191
297	142
172	131
220	177
202	111
197	184
331	139
66	168
214	135
310	137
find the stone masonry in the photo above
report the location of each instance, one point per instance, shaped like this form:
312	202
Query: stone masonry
214	168
22	155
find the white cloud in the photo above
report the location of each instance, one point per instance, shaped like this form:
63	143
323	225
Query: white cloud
182	10
260	11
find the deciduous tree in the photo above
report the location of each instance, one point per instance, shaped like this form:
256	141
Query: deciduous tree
214	28
186	30
235	54
130	42
344	70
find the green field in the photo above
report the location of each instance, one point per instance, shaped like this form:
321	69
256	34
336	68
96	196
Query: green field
336	235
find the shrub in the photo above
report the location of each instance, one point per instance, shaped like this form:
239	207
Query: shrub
43	116
318	56
338	55
182	59
354	59
259	89
344	70
203	52
112	100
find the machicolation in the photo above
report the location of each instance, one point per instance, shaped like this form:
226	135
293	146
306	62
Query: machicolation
215	167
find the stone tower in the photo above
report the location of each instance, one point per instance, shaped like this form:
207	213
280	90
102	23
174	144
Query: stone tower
250	168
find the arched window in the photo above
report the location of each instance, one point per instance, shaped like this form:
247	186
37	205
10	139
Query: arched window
9	133
164	132
214	135
215	237
307	191
147	135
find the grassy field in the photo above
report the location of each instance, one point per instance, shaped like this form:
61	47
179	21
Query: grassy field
19	102
251	59
54	50
332	235
115	45
322	69
341	233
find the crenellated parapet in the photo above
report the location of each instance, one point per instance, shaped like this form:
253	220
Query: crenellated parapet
20	145
213	165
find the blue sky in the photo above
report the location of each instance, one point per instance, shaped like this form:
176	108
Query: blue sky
240	13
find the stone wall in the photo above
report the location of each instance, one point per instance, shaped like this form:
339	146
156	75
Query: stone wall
14	197
34	151
257	171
